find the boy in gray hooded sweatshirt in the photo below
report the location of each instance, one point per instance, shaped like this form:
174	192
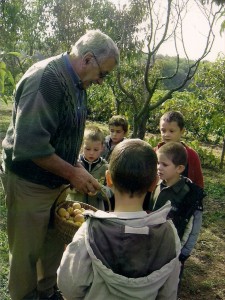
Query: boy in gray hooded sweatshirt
128	253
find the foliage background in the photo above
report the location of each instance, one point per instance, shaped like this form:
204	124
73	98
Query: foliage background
31	30
147	84
204	276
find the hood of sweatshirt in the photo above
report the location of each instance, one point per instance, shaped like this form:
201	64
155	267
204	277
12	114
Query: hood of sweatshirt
132	253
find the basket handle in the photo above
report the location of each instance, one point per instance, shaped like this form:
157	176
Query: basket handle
106	198
60	194
55	206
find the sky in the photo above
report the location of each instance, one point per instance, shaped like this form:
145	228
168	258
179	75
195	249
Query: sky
195	29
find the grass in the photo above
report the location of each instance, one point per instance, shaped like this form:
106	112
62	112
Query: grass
204	274
4	266
5	113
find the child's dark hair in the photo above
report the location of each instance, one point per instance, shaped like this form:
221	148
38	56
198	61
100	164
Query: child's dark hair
94	134
133	166
175	152
174	116
119	120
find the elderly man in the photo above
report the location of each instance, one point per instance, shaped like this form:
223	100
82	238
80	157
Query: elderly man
40	153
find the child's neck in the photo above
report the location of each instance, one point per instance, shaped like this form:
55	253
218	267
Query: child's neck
90	162
124	203
172	181
114	144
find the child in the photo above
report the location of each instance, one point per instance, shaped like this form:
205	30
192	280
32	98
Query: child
92	161
172	129
125	254
185	196
118	128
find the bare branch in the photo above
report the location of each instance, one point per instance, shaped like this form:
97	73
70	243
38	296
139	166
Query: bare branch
151	53
166	25
122	88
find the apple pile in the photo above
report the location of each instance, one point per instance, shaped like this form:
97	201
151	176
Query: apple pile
72	214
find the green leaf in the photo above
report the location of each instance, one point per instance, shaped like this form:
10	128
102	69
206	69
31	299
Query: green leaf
2	76
10	78
2	65
17	54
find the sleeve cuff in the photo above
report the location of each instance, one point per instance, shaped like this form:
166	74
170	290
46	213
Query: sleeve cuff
183	258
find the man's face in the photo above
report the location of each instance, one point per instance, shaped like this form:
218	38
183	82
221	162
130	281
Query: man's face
170	131
94	71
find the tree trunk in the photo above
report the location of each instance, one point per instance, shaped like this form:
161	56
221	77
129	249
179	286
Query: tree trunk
139	126
222	155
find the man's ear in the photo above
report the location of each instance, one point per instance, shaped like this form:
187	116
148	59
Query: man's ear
87	58
153	184
108	178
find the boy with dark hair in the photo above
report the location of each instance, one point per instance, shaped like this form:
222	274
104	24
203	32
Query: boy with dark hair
185	196
91	160
118	127
128	253
172	129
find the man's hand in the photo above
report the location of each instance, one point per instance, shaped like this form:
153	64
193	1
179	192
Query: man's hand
83	181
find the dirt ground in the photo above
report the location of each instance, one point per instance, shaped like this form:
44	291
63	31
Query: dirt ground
204	274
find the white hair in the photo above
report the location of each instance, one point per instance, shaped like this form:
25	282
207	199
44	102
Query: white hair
98	43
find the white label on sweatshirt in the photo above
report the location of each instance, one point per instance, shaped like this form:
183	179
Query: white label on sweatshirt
141	230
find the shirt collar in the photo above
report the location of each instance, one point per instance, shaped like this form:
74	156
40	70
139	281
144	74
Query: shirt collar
76	80
89	165
176	187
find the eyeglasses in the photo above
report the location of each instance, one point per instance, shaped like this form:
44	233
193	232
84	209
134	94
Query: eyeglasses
101	75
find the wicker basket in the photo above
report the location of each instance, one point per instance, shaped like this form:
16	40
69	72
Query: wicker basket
66	230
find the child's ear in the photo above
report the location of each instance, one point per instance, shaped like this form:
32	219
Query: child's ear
108	178
153	184
180	169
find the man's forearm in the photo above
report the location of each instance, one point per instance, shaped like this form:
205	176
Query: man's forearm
76	175
54	164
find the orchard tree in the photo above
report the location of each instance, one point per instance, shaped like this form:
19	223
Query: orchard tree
121	24
23	28
222	15
69	21
209	87
24	25
218	2
162	22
